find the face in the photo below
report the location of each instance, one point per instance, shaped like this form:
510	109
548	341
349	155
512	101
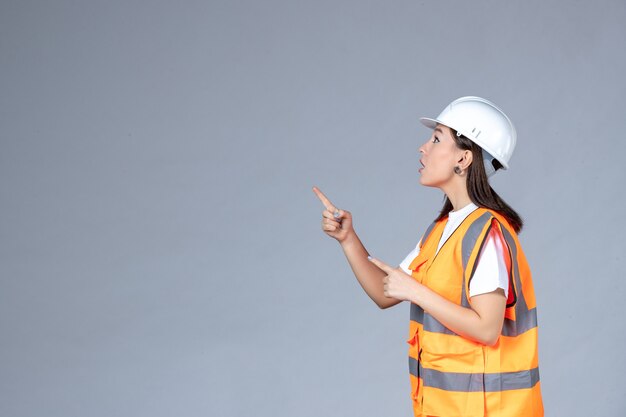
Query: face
439	156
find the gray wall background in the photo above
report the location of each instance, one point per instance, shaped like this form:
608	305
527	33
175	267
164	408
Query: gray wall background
160	245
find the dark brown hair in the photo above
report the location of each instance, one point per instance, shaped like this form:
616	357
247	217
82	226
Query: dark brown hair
478	188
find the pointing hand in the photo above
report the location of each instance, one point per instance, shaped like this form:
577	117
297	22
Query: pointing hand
336	223
397	284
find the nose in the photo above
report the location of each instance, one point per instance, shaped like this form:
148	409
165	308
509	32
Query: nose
422	149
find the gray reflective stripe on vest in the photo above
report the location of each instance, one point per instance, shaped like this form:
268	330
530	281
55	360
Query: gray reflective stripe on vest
427	233
512	328
504	381
522	323
474	382
430	323
467	246
525	319
417	313
414	367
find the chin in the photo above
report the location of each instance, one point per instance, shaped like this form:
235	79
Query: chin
426	183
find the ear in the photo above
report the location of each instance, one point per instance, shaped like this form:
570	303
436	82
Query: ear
465	159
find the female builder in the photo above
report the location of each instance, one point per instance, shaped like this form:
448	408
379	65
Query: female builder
473	324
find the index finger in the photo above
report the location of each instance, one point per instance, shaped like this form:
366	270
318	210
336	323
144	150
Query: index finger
386	268
330	206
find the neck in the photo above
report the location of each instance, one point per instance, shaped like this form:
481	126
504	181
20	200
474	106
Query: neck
457	194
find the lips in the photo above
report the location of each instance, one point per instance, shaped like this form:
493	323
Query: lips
422	168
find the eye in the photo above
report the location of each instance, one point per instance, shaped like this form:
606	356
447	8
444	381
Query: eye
435	139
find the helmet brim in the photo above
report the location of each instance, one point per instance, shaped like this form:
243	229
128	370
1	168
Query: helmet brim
430	123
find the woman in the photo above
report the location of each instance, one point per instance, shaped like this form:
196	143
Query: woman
473	325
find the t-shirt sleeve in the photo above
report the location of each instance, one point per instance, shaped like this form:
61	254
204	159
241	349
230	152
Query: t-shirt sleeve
409	258
491	271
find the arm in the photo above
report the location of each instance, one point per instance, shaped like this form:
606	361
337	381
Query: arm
337	224
481	323
369	275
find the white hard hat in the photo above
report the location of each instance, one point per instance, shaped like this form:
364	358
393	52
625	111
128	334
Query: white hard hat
483	123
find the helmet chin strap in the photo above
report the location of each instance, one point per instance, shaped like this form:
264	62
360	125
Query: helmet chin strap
488	162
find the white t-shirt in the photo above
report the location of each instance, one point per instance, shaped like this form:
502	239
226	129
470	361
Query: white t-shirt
491	271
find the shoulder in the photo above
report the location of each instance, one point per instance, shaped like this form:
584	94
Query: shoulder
482	226
503	230
497	220
478	222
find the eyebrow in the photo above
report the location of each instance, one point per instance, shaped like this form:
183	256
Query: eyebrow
438	130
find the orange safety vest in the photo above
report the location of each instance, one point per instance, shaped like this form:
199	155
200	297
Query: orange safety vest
454	376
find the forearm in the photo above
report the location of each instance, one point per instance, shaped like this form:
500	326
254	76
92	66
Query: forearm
370	277
464	321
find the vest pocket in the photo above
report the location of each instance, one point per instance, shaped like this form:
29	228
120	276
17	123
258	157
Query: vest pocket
452	376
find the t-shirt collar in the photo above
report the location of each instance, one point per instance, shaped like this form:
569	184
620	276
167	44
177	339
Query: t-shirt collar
463	212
